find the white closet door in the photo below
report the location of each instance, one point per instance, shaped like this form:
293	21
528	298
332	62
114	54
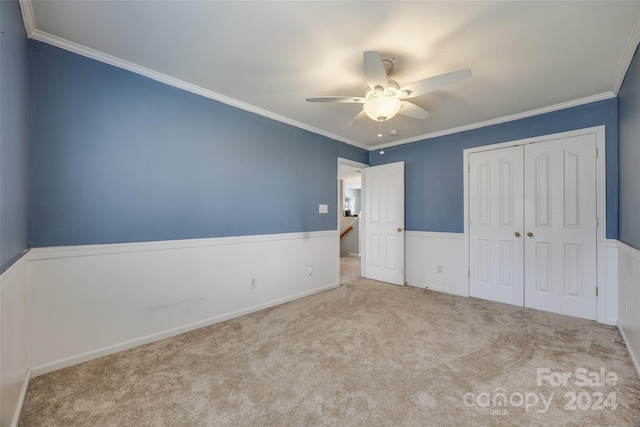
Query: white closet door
496	225
560	226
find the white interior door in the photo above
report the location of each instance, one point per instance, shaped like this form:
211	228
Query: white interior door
496	252
560	224
383	189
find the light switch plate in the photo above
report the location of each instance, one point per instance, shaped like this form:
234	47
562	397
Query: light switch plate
323	209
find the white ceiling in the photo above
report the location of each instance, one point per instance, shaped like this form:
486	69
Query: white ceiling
266	57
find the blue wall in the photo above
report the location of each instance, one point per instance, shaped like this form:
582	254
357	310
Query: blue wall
116	157
434	176
14	93
629	128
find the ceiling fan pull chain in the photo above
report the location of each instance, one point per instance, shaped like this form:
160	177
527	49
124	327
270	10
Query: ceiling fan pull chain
381	135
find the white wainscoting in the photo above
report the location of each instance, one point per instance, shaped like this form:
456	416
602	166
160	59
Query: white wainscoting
611	284
425	251
90	301
14	369
629	300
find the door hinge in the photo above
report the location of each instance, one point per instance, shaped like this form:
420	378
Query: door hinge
469	273
596	291
596	153
597	223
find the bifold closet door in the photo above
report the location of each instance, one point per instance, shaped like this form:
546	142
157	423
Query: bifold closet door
495	225
560	226
532	225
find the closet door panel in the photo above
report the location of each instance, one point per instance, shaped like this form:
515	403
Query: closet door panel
560	226
496	225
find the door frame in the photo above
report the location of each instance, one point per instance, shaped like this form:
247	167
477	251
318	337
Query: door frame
605	290
351	163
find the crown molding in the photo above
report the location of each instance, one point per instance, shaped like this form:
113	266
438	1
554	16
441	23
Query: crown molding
32	32
627	57
28	17
172	81
499	120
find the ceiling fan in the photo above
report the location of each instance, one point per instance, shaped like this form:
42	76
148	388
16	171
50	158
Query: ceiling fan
385	98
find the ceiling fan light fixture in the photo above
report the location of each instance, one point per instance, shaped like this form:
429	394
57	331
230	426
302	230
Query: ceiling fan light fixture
384	98
381	109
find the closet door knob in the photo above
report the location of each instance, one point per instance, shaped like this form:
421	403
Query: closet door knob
530	234
518	234
399	229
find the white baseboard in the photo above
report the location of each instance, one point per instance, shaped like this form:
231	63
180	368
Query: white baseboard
23	394
634	357
443	290
90	301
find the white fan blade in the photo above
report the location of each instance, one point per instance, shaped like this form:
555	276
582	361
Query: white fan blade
432	83
340	99
412	110
358	118
374	70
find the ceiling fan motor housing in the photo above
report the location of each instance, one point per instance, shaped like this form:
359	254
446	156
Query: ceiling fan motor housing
392	90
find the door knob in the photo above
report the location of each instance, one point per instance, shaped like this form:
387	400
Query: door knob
530	234
518	234
399	229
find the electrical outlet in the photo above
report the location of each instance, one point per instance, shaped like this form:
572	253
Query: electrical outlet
440	268
254	283
310	270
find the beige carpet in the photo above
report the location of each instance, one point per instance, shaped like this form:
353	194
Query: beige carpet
349	269
366	353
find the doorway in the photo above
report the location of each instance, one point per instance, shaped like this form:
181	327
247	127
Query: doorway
350	203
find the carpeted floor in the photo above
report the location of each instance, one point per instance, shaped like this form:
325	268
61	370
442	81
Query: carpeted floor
366	354
349	269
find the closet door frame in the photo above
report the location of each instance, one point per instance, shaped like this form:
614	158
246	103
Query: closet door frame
607	292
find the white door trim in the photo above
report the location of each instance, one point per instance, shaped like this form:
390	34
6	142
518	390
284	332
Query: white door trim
601	240
350	163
